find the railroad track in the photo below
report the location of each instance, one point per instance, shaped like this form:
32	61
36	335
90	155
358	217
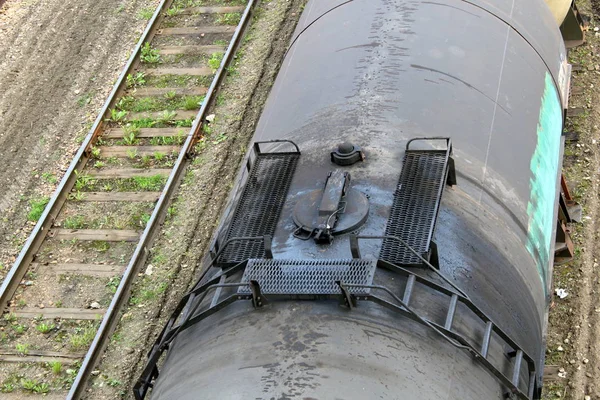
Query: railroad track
63	294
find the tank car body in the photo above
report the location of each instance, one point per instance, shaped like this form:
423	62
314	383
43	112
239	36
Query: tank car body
491	76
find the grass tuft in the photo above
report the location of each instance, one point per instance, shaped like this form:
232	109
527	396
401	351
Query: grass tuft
37	208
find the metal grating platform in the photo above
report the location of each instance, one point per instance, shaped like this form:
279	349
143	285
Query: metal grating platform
308	276
260	205
415	206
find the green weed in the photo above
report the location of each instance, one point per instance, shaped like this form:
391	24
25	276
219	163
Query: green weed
83	180
35	386
113	382
56	367
74	222
214	62
37	208
166	117
95	152
19	329
151	183
136	80
146	160
229	19
44	327
173	11
81	337
132	154
113	284
191	103
77	195
22	348
146	13
49	177
149	55
84	100
221	137
101	246
117	115
10	318
7	387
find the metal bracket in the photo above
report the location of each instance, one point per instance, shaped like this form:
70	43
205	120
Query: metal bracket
451	178
258	300
347	298
268	243
354	246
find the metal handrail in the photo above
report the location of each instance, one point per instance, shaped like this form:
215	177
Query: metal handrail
454	338
416	253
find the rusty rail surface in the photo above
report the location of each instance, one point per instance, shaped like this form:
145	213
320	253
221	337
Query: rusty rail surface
60	196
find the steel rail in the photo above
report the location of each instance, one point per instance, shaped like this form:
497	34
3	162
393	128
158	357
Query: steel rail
142	250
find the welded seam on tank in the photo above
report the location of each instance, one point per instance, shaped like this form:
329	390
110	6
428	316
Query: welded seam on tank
315	20
505	21
487	152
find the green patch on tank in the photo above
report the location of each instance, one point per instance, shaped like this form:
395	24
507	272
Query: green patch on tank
543	183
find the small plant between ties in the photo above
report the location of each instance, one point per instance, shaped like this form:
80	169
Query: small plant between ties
149	54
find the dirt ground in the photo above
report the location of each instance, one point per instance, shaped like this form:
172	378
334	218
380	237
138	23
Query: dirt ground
58	62
574	331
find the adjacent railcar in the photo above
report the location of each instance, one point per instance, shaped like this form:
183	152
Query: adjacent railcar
391	235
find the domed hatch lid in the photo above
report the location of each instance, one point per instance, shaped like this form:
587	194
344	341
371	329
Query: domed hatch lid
337	208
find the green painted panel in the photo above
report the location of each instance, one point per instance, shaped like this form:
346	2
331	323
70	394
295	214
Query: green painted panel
544	170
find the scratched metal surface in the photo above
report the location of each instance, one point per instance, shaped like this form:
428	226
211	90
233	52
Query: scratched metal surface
377	73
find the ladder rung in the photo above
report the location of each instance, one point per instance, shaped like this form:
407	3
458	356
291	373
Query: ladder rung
410	283
451	311
485	346
186	309
517	368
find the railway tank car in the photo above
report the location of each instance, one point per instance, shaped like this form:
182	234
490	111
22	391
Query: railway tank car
391	234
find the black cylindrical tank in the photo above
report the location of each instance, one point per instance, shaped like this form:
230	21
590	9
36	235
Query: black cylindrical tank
492	75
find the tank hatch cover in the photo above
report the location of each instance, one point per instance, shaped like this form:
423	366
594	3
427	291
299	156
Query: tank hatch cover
416	203
337	208
308	277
